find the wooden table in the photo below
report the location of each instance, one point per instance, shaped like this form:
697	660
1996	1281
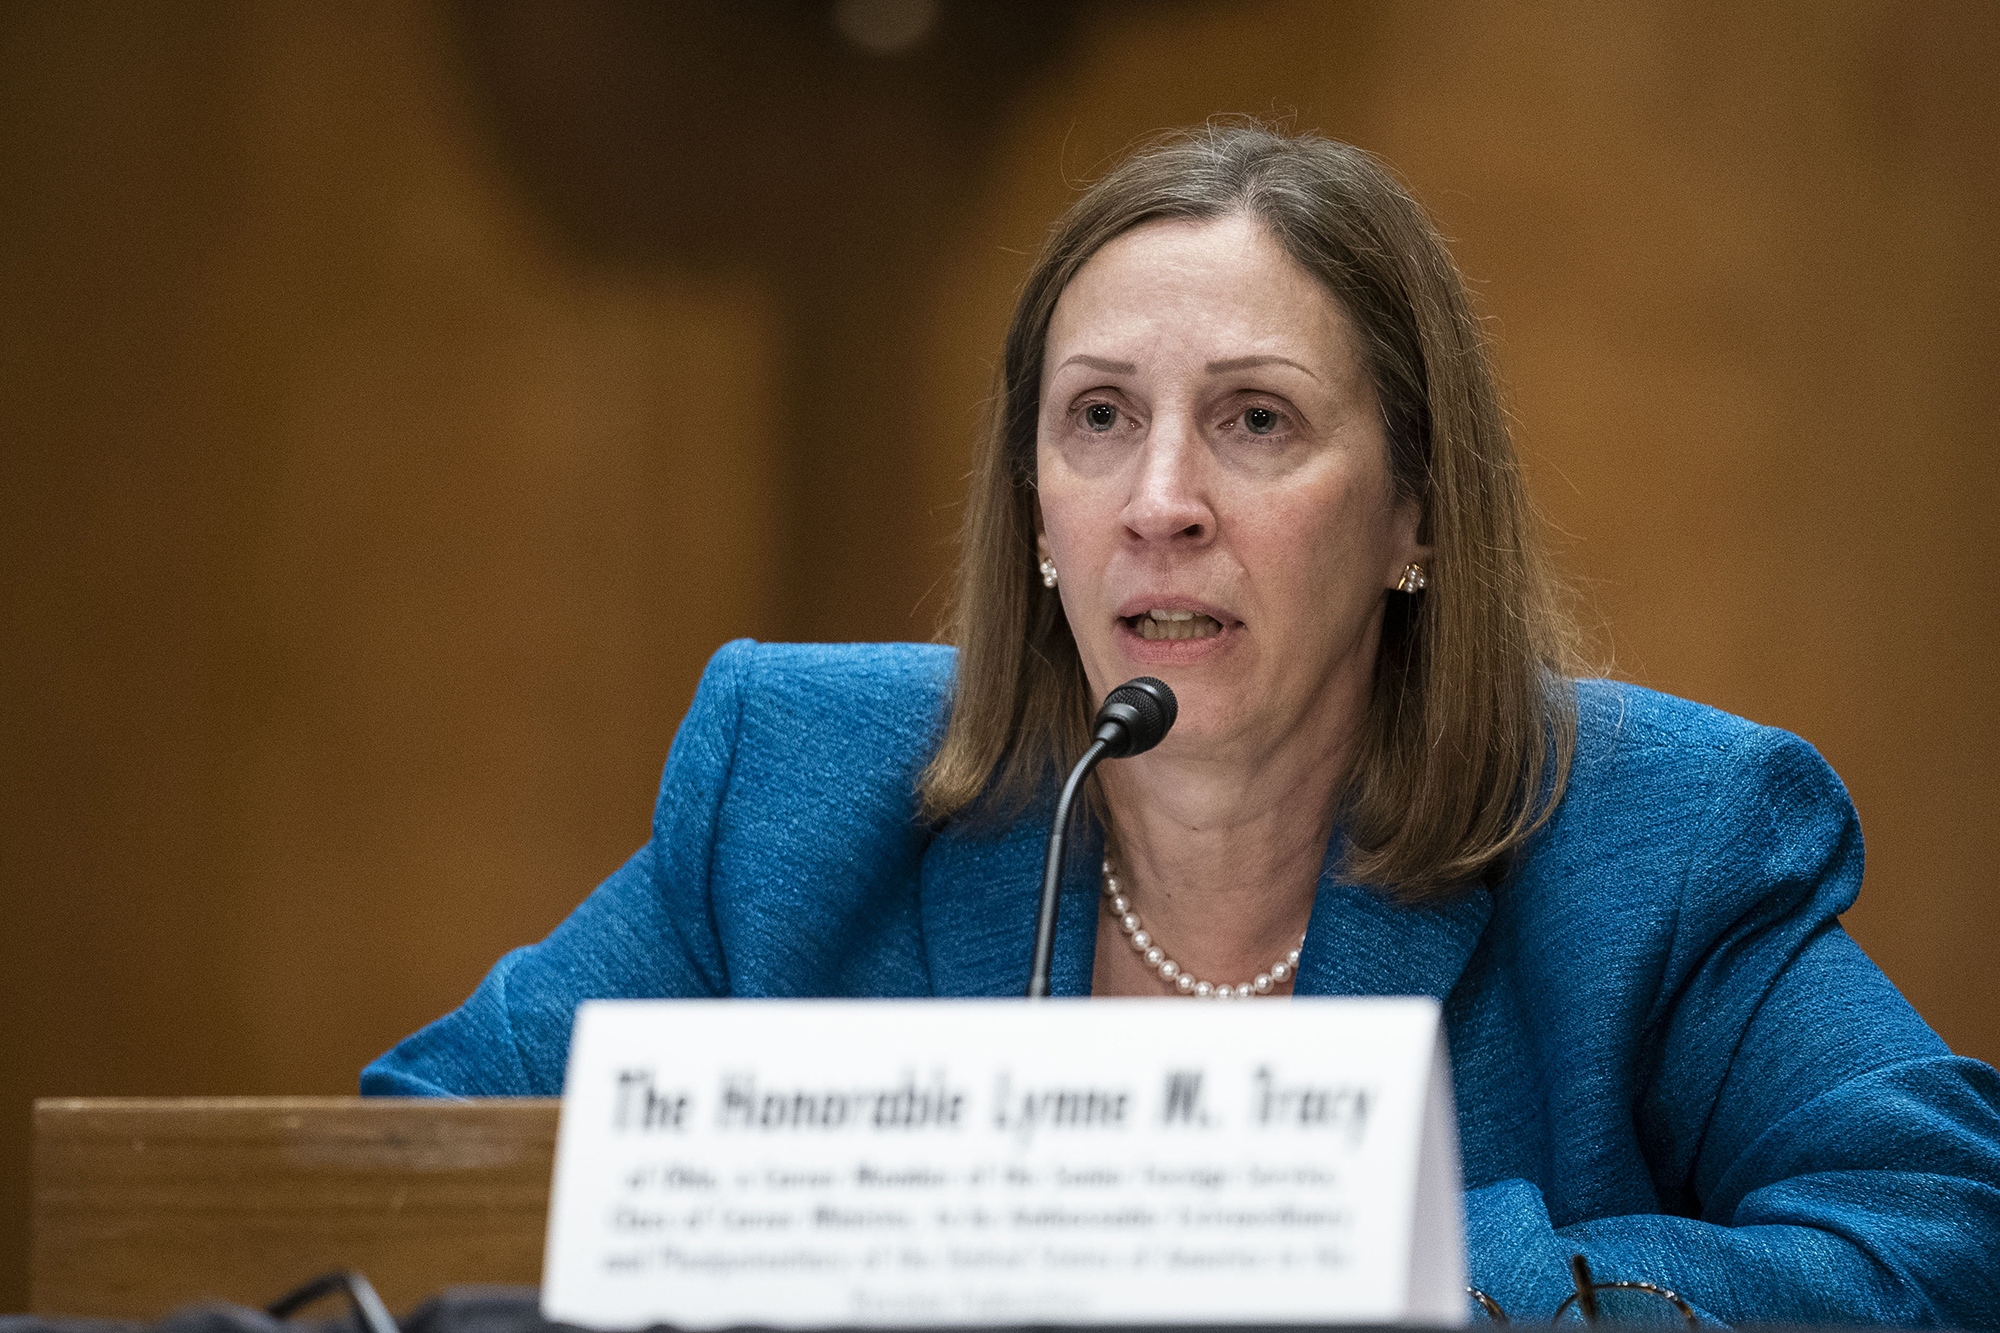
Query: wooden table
142	1206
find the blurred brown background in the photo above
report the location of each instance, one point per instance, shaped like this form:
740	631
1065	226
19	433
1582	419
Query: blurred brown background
400	400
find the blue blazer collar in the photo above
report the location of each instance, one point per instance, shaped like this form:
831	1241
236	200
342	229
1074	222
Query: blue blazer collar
978	897
1359	942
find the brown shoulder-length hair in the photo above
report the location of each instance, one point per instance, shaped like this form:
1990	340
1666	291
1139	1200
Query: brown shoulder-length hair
1471	725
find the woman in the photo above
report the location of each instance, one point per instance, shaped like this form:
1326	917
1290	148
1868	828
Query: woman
1247	442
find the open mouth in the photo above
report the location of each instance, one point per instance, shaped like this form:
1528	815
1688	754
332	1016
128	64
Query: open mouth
1158	624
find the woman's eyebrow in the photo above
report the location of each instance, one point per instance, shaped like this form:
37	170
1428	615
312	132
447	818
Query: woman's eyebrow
1251	362
1099	363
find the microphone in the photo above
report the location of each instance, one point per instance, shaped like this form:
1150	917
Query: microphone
1134	718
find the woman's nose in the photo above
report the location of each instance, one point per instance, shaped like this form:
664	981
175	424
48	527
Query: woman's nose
1169	498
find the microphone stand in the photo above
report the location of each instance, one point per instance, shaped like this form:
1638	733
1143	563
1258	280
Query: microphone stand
1052	868
1133	719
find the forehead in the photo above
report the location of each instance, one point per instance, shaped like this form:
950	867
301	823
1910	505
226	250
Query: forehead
1222	286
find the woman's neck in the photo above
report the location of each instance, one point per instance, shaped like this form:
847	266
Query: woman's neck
1221	859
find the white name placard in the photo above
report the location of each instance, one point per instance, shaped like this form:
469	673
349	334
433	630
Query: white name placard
874	1162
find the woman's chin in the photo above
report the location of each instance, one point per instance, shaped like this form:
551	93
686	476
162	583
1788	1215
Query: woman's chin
1214	718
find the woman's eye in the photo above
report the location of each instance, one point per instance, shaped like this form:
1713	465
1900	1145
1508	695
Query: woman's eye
1100	416
1260	421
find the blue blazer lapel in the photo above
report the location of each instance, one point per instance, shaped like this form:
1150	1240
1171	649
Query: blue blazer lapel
1360	943
978	897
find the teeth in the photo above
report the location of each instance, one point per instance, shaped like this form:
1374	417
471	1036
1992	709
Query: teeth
1178	625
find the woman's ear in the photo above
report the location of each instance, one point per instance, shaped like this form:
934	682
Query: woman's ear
1408	521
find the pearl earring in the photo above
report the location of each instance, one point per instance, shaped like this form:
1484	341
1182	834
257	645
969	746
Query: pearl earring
1413	579
1048	572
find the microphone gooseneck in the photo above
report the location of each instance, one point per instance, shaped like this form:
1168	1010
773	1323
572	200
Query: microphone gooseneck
1132	720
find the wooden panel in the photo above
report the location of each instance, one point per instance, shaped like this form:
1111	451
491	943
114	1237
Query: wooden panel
141	1206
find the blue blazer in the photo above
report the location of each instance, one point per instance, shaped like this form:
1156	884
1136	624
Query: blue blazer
1668	1054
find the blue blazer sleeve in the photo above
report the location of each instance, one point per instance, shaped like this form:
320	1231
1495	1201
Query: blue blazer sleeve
1822	1155
647	932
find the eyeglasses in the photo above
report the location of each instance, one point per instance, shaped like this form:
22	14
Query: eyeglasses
370	1315
1595	1302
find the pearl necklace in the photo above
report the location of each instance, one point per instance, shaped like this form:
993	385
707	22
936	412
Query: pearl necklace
1179	977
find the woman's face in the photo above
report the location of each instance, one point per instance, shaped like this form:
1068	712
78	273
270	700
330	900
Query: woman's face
1214	486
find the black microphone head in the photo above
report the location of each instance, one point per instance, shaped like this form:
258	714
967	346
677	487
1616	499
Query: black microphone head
1135	717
